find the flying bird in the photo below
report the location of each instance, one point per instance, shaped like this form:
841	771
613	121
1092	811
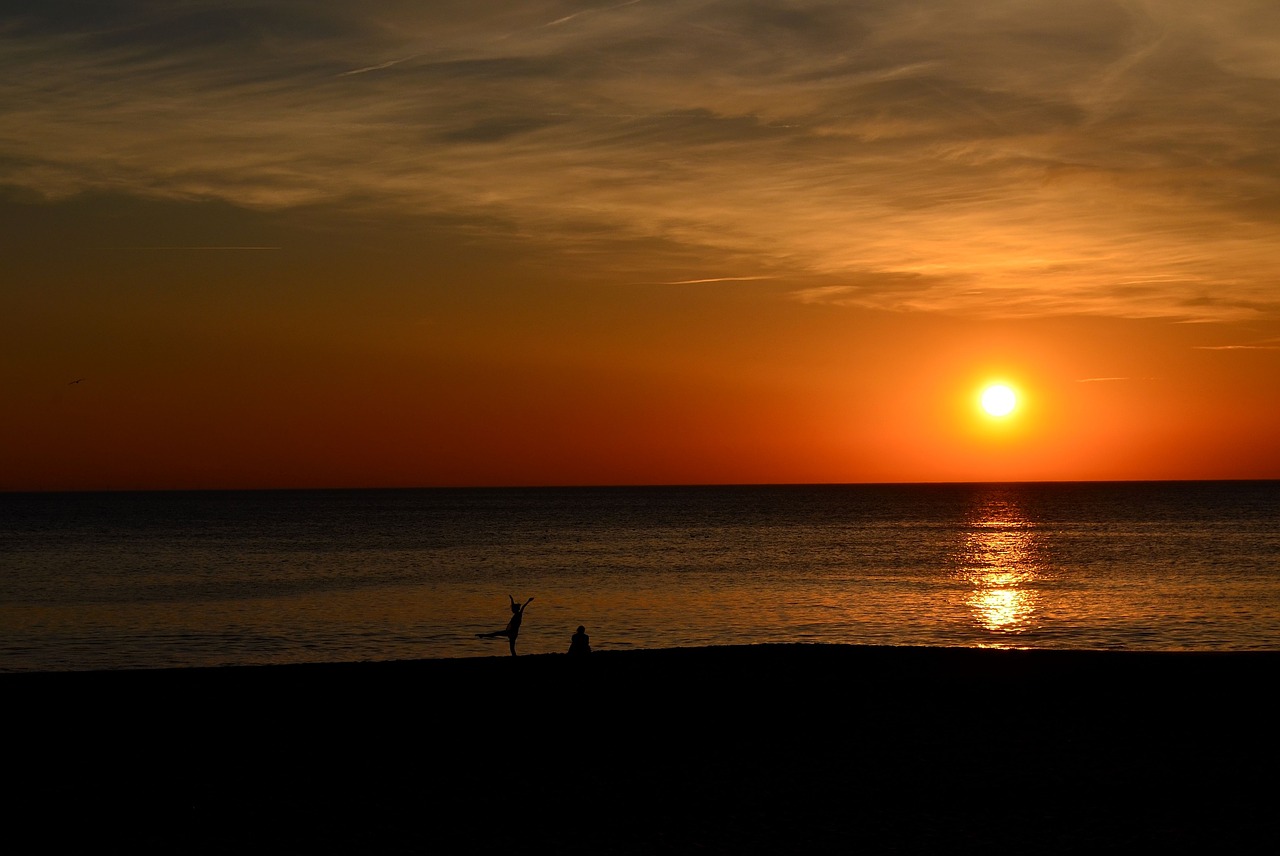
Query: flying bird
76	381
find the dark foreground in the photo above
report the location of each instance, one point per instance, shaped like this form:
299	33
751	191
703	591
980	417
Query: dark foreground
755	749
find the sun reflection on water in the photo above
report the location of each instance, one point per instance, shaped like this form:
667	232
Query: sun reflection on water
1001	565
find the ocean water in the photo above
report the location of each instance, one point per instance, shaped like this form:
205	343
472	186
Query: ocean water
94	581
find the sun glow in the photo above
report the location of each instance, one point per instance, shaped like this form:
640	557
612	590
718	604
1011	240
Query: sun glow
999	400
1002	561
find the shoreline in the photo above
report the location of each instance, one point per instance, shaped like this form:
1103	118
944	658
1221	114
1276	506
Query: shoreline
750	649
721	749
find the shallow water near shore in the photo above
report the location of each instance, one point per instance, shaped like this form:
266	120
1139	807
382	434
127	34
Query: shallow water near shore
159	580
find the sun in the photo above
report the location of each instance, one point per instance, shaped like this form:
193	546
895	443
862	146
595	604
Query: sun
999	400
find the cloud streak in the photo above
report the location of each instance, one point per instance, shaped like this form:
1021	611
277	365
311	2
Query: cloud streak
995	159
1110	379
716	279
379	67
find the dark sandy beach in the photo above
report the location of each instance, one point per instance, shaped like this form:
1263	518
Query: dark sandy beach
742	749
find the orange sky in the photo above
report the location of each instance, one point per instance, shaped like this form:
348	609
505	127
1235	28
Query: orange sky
391	244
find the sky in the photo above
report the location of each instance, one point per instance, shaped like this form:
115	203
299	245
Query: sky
412	244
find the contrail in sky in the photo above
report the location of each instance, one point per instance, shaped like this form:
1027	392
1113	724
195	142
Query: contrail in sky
378	67
1107	379
202	248
715	279
558	21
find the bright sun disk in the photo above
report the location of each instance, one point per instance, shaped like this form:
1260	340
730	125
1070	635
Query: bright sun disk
998	400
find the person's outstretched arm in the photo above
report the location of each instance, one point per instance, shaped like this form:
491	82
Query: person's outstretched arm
526	603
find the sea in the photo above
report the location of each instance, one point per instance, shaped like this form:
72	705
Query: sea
149	580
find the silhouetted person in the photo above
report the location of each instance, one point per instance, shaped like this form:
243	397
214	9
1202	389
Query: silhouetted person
580	643
512	630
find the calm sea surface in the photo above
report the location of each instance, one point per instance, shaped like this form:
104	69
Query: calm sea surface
145	580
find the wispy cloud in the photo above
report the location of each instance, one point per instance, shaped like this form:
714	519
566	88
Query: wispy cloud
992	158
379	67
715	279
204	248
567	18
1110	379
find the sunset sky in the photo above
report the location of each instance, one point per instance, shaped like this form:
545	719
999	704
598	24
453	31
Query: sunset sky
337	244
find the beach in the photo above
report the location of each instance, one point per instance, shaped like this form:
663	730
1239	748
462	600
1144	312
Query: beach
723	749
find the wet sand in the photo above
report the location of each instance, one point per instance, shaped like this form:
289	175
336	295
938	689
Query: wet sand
736	749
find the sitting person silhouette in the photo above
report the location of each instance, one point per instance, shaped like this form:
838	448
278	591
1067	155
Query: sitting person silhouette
580	643
512	630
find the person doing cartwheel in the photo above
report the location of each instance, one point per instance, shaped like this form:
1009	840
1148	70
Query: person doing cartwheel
512	630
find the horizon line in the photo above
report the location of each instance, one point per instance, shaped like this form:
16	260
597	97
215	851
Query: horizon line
640	486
